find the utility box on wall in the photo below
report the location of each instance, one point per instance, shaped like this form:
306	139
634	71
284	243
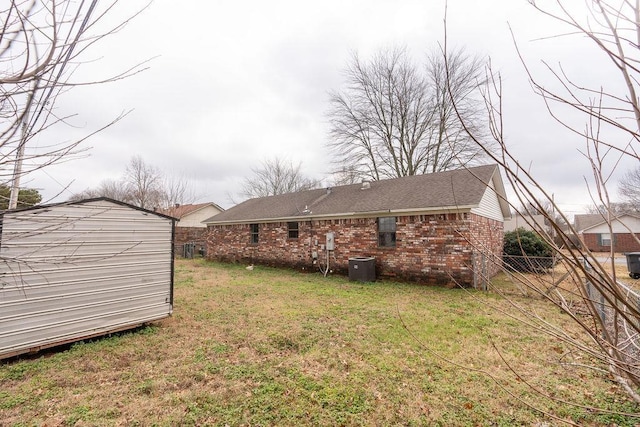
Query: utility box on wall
331	243
362	269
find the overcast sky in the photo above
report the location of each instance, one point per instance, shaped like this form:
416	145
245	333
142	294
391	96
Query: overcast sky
233	83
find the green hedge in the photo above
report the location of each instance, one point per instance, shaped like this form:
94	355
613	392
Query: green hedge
526	251
521	242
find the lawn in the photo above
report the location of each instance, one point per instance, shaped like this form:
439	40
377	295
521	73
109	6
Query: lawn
275	347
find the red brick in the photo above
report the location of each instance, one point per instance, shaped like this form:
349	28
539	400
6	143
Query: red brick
443	249
623	242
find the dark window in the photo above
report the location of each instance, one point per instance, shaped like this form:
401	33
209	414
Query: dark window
254	233
293	230
604	239
387	231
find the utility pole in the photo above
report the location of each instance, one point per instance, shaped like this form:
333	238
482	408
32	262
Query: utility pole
17	168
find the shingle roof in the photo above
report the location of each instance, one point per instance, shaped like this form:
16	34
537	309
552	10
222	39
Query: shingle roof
584	222
452	190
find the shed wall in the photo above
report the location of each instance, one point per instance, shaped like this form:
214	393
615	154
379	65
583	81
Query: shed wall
72	271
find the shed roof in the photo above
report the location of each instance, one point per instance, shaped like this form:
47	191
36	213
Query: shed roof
454	190
85	201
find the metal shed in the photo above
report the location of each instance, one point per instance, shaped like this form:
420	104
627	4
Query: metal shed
74	270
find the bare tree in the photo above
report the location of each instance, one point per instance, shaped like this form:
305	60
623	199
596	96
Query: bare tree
345	175
396	119
629	187
143	185
176	189
613	209
113	189
456	79
41	45
277	176
590	293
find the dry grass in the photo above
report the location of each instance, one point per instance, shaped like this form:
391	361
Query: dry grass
272	347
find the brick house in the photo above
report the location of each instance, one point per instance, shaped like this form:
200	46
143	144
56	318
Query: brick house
189	226
594	232
441	228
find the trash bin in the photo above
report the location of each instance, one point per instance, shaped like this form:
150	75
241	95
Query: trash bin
633	264
362	269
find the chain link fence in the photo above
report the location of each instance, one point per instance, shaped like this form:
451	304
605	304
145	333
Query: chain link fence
620	322
528	264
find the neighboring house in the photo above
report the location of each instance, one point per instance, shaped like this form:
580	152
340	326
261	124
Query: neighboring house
528	222
74	270
595	234
440	228
190	230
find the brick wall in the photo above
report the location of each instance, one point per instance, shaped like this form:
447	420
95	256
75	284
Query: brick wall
487	237
184	235
431	249
622	242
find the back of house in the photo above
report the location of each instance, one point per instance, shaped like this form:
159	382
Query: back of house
442	228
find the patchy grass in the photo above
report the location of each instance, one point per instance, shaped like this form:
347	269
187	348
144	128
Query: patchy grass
273	347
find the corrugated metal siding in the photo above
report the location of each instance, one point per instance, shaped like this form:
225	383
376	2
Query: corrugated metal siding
489	206
71	271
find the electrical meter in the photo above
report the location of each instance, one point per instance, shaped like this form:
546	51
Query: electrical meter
330	242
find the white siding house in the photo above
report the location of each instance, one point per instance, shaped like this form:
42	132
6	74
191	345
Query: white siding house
529	222
75	270
619	225
595	234
194	215
492	205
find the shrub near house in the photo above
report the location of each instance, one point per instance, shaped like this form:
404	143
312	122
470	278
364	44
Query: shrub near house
525	250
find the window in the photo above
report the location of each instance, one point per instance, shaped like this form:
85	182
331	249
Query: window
605	239
293	230
387	231
254	233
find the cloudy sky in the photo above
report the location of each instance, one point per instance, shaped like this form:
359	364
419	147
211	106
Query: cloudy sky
232	83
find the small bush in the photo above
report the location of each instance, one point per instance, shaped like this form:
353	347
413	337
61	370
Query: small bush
521	242
526	251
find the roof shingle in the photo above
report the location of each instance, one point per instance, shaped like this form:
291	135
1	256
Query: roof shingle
462	188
